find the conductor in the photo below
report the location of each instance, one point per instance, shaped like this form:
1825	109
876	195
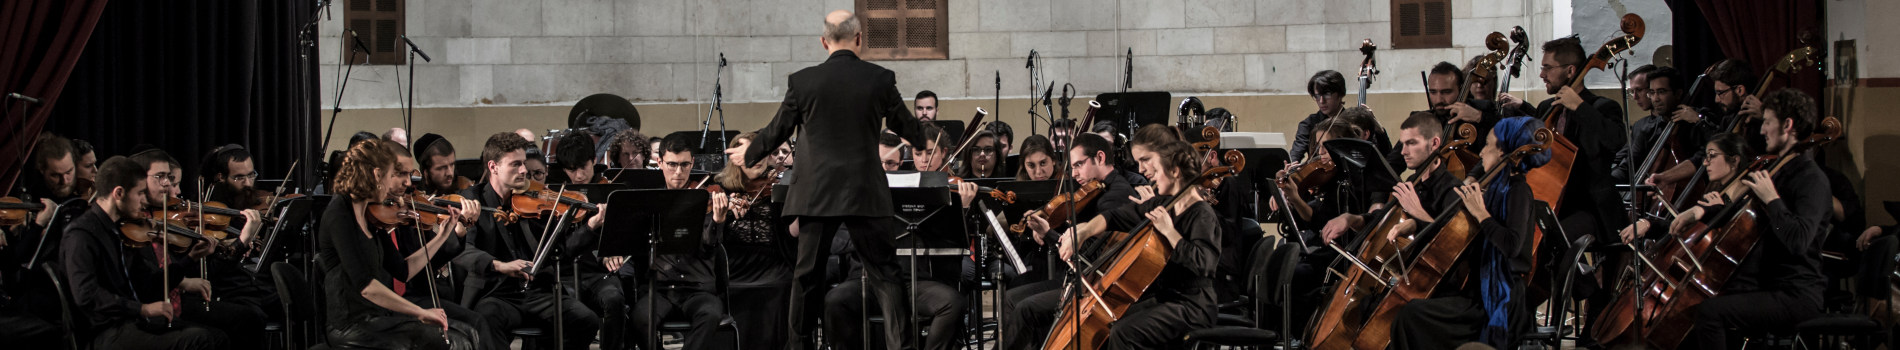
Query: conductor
837	108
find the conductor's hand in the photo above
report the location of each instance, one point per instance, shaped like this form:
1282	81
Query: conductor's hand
517	268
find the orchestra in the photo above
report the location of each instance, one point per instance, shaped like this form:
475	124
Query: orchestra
1704	226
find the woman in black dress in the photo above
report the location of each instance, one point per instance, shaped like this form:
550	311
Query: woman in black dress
759	246
363	311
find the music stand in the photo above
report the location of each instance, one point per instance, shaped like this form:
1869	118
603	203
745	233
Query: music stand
952	130
926	233
637	179
645	224
1362	159
596	193
1270	161
1133	109
293	214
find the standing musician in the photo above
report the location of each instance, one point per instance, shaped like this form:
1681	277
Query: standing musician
685	284
1490	309
437	157
362	309
760	245
837	108
1030	309
1779	284
497	256
1590	203
1734	98
117	292
1182	296
1328	89
1040	160
444	242
599	288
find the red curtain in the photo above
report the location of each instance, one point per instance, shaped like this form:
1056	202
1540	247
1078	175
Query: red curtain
40	42
1761	32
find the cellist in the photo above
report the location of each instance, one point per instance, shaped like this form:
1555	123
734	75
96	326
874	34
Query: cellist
1182	296
1030	307
1779	284
1490	308
1593	123
1724	155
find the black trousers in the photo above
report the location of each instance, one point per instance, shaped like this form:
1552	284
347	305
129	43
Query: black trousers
702	309
601	292
183	335
26	331
873	238
537	309
940	303
401	332
1150	324
1437	323
1026	322
1747	312
484	336
242	322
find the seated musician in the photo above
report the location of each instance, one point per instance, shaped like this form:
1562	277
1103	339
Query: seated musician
1182	296
1735	99
231	172
120	302
1441	90
1040	160
537	164
50	180
405	245
1664	95
685	285
758	241
50	184
239	309
362	309
437	157
1328	89
1321	217
931	157
574	163
890	152
629	150
1490	309
1029	309
497	256
1779	284
981	159
1724	156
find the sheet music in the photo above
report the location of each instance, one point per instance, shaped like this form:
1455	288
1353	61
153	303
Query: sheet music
1009	250
904	179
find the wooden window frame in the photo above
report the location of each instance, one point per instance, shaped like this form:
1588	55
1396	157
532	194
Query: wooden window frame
898	13
1424	11
380	23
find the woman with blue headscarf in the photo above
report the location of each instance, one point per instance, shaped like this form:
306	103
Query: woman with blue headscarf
1489	309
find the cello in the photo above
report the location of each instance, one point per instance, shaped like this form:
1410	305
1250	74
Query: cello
1799	58
1547	182
1123	274
1698	263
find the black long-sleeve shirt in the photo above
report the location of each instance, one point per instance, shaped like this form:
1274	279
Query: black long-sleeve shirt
109	280
1596	128
1788	255
489	241
399	244
1189	274
351	259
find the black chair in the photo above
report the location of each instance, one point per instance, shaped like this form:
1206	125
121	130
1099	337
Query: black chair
728	329
1551	336
1871	285
1269	284
301	321
65	305
1244	310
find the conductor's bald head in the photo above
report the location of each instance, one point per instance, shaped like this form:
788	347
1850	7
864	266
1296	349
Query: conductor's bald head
842	32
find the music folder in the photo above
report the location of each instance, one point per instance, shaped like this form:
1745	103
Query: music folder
668	222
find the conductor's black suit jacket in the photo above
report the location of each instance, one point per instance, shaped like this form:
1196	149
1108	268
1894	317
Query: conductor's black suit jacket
837	109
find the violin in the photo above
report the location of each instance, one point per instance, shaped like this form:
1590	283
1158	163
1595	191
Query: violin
215	216
1311	174
538	198
14	212
145	230
1063	206
502	216
389	214
461	183
1006	197
82	188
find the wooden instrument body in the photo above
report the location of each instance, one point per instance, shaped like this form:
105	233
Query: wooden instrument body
1126	278
1346	312
538	199
1061	207
15	212
1434	263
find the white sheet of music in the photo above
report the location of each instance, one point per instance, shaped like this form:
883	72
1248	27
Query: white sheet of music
904	179
1009	250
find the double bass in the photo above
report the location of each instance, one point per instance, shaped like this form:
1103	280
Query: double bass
1547	182
1122	274
1694	266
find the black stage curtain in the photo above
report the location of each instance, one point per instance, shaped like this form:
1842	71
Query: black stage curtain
1760	32
189	76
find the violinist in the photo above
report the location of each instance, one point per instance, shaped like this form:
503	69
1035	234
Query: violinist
936	147
241	301
232	174
1490	309
890	152
1779	284
498	255
600	289
27	298
87	163
437	157
1182	296
685	283
52	181
1328	89
629	150
362	308
431	253
1735	90
1030	309
537	164
1589	204
759	243
115	288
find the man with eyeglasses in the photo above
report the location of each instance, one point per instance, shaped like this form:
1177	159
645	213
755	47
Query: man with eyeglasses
237	299
1734	99
1328	89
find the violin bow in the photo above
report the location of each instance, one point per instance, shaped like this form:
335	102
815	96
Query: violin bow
428	266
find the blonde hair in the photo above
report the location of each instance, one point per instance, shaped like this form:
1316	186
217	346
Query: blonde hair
356	177
733	177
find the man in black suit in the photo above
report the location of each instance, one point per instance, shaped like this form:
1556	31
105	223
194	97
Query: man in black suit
839	105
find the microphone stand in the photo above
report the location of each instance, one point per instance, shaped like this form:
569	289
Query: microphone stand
409	111
342	80
705	125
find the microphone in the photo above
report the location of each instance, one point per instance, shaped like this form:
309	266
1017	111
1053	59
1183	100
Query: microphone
412	47
359	42
1032	59
18	96
1046	93
722	59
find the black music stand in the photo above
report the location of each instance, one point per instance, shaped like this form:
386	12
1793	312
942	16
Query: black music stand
1133	109
645	224
952	131
596	193
291	216
926	234
1266	162
1362	160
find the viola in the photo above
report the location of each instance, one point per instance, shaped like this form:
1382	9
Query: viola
145	230
14	212
502	216
537	198
1065	205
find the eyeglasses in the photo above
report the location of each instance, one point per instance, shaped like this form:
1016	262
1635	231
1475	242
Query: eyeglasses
162	178
245	177
1724	91
537	173
983	150
677	164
